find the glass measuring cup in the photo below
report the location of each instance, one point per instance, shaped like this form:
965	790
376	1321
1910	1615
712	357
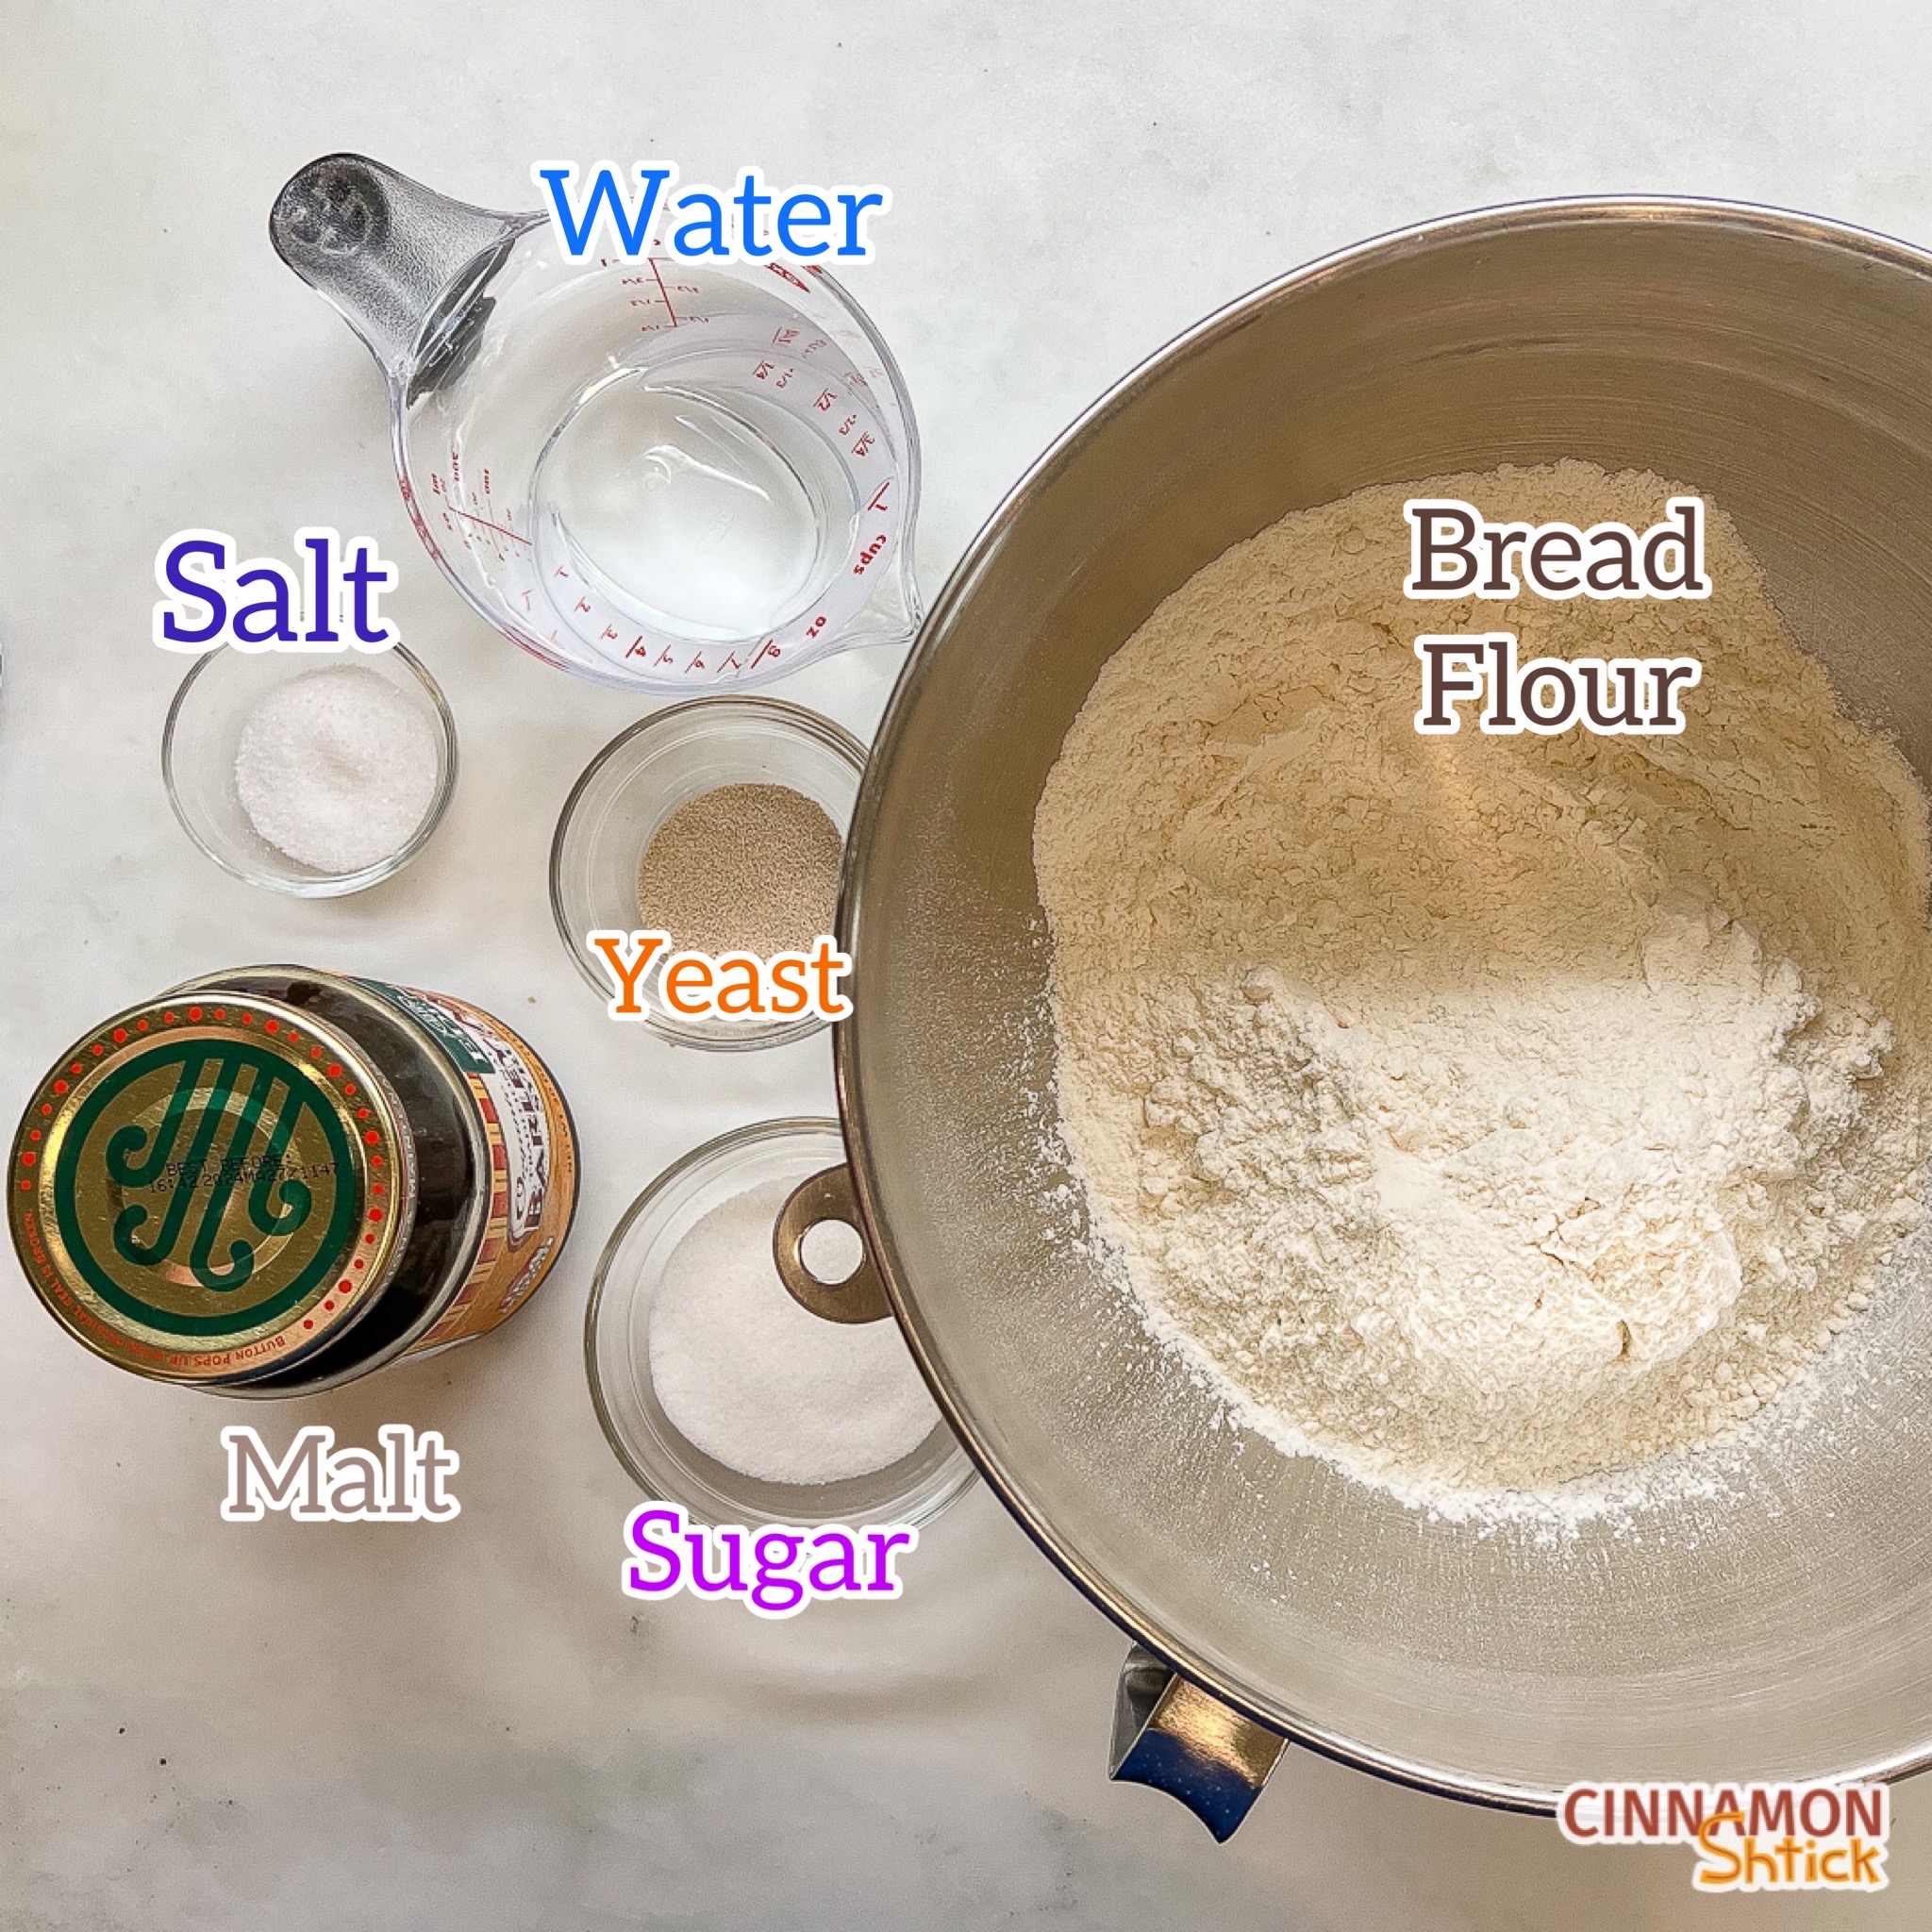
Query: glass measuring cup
653	473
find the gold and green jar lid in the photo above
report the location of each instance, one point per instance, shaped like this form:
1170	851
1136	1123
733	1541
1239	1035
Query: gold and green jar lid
209	1188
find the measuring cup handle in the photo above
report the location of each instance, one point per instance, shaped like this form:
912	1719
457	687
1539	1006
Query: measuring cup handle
392	256
828	1195
1172	1735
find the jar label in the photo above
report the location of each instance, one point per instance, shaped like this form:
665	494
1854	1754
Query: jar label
533	1169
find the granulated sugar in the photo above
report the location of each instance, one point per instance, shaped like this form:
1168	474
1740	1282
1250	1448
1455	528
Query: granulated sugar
760	1383
336	768
1484	1113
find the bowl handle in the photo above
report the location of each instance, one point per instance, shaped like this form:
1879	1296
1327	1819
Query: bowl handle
1171	1734
828	1196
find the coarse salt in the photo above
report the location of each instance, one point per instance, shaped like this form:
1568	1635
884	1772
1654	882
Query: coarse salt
336	769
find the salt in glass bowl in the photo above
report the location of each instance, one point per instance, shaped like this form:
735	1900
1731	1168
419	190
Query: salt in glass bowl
204	730
639	780
617	1353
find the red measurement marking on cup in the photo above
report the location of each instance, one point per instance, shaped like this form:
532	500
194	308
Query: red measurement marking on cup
500	530
486	528
673	317
663	294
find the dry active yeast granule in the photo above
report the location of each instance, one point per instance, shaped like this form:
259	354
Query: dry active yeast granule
1484	1112
742	869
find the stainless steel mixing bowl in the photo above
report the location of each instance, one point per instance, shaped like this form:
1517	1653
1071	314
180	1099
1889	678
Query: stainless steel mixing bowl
1782	1629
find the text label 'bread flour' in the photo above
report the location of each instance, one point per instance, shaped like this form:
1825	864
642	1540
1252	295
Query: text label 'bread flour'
1456	552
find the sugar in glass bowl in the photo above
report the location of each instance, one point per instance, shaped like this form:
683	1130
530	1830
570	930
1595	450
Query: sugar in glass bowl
664	1462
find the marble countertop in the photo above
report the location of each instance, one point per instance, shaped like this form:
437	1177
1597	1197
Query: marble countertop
211	1728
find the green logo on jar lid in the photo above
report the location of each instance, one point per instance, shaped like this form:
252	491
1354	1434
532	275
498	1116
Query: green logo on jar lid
206	1187
202	1190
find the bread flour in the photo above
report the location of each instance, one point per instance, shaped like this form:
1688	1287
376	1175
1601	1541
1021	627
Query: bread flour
1484	1113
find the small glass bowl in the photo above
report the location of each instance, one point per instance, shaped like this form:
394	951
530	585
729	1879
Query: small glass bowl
204	730
639	780
617	1353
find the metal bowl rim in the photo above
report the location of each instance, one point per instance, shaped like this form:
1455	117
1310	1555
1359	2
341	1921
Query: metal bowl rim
1389	246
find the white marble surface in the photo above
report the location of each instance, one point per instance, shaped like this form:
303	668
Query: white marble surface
226	1729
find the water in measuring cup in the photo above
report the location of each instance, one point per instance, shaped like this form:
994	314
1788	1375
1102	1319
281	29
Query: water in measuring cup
694	508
